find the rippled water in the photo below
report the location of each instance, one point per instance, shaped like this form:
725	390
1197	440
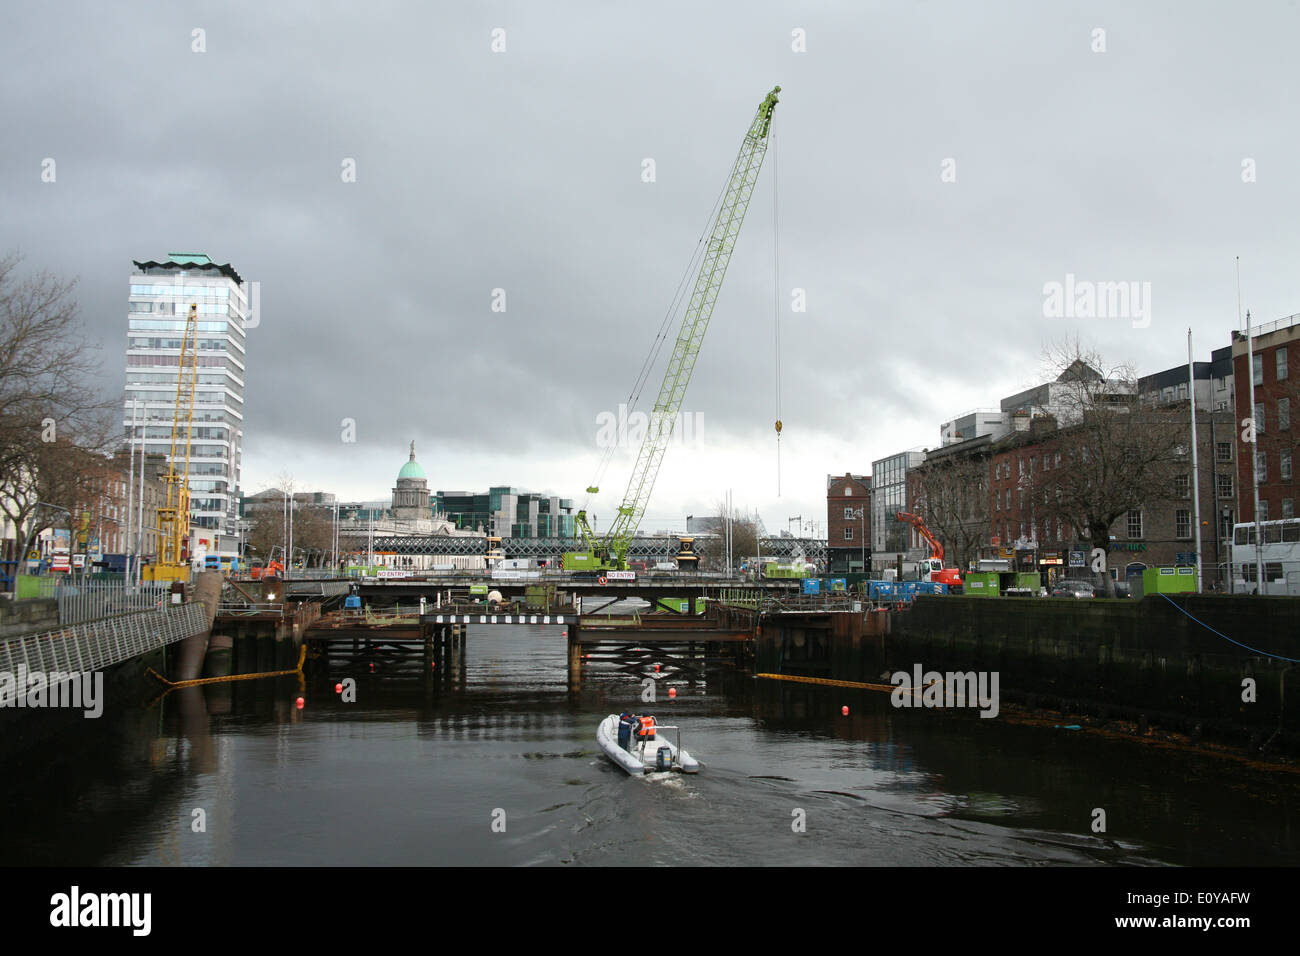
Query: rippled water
408	775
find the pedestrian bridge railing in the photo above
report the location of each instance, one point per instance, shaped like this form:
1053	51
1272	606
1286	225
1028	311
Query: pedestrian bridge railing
80	602
51	657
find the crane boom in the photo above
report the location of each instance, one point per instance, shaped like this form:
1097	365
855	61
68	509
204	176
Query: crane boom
936	548
695	322
174	516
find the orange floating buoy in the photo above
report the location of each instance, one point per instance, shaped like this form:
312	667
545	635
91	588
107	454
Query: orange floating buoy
845	710
672	691
301	703
656	668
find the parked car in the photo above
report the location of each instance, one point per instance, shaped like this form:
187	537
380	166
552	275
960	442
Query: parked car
1073	589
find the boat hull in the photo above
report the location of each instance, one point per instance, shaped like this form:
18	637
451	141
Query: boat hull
641	759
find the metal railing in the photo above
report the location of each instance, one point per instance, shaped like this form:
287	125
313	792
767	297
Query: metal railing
740	597
1283	323
49	658
91	601
230	610
826	601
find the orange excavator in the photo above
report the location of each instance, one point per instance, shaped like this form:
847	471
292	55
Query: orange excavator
932	568
274	569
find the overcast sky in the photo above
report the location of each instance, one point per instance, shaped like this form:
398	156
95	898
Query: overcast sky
522	170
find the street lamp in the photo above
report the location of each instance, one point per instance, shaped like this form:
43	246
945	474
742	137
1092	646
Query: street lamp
861	515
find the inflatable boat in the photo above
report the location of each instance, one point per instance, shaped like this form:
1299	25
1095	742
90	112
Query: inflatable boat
639	746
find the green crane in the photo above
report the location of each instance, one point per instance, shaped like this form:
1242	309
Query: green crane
611	551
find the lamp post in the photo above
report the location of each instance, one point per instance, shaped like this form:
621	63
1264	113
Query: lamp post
1254	453
861	515
334	537
293	504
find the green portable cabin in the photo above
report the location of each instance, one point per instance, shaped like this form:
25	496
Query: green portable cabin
1031	580
1176	580
680	605
582	561
776	570
981	584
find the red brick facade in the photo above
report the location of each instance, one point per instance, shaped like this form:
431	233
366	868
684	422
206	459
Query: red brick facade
1278	439
845	536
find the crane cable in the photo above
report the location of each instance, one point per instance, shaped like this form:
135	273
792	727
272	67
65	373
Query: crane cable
776	298
656	346
647	365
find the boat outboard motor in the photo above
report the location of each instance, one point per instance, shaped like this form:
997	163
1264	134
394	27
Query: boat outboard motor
663	759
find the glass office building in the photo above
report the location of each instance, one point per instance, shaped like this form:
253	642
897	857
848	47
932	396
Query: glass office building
889	536
508	512
161	292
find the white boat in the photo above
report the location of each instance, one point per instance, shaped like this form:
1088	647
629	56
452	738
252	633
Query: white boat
652	753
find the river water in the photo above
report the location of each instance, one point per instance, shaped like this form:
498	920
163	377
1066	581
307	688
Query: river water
501	767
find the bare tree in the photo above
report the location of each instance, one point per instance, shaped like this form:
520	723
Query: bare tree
52	484
744	530
265	532
950	494
1116	456
50	411
268	525
313	531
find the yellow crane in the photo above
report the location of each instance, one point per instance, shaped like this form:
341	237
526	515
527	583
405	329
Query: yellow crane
174	517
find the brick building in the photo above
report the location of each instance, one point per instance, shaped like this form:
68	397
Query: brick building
848	522
1269	399
101	501
1027	528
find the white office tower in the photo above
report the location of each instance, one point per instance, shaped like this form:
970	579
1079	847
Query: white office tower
161	294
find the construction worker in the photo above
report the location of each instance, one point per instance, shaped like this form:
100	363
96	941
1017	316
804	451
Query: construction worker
626	721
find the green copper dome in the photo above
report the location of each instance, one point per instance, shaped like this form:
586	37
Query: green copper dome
412	468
